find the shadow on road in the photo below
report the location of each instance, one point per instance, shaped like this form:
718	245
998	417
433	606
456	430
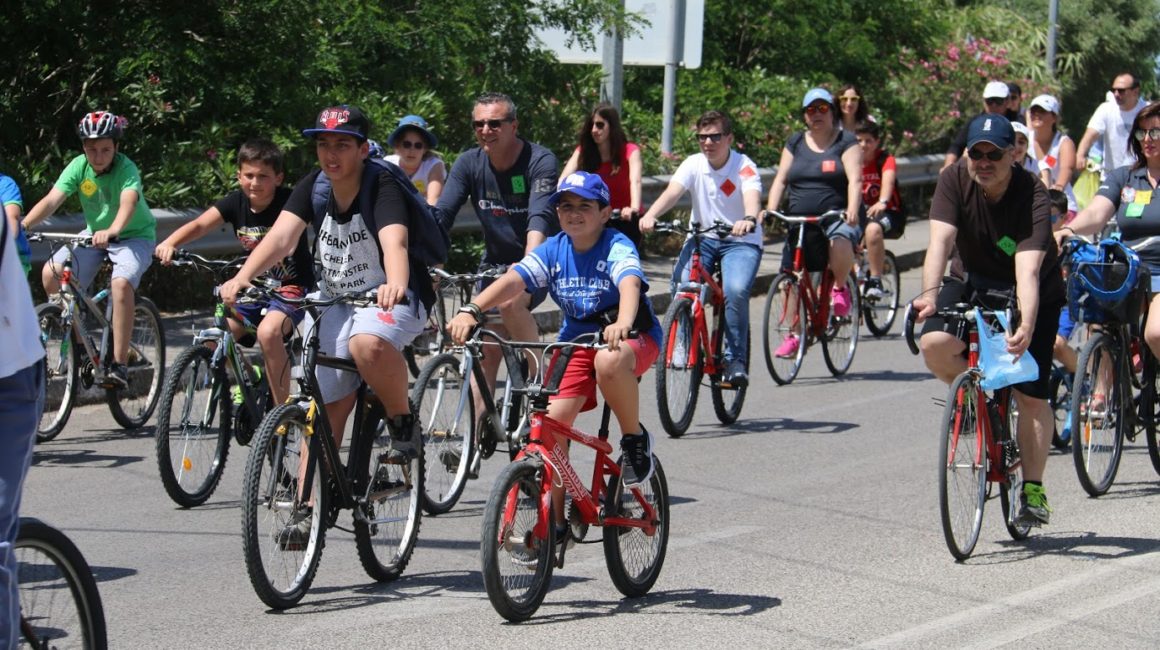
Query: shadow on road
1082	545
111	573
765	425
80	458
695	601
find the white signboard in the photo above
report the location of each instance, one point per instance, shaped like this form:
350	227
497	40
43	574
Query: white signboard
649	44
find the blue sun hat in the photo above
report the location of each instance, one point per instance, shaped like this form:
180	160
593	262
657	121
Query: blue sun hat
815	94
417	123
583	184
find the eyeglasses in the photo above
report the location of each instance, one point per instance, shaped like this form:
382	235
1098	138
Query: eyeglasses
494	125
1117	91
1153	133
599	125
994	155
849	98
992	101
710	137
820	108
410	144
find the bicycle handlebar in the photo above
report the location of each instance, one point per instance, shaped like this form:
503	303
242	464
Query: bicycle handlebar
488	273
718	227
804	218
68	238
959	311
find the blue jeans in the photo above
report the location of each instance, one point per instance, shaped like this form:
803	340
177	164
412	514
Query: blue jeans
20	403
739	262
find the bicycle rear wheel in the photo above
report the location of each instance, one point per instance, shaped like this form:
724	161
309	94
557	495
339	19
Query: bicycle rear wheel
517	565
1097	409
784	320
840	341
634	556
282	564
193	428
727	402
679	368
60	605
962	472
386	524
60	376
880	312
448	431
131	407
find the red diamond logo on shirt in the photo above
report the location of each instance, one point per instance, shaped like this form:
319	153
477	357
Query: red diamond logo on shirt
727	187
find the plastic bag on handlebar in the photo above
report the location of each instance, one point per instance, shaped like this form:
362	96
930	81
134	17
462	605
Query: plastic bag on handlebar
999	367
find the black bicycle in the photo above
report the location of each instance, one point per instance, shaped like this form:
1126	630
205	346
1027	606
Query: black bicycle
295	479
60	605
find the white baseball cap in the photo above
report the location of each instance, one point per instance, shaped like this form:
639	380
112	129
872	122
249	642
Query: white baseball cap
1023	129
1047	103
995	90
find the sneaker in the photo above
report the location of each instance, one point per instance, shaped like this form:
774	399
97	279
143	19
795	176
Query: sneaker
236	395
841	301
296	535
680	357
735	374
404	431
637	464
873	289
788	348
1034	510
116	378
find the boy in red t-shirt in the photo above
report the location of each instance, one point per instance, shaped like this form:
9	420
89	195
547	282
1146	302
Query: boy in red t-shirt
882	216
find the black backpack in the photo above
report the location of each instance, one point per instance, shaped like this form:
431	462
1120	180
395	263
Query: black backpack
428	241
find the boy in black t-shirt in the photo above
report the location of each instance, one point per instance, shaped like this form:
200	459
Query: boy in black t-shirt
251	211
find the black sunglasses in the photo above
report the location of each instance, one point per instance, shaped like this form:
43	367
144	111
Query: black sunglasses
710	137
491	124
407	144
994	155
991	101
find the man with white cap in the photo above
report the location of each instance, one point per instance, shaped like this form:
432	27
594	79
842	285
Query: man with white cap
998	216
995	102
1111	123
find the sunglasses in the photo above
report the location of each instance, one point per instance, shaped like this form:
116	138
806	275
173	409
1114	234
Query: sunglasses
408	144
1153	133
994	155
820	108
992	101
1117	91
849	99
599	125
494	125
710	137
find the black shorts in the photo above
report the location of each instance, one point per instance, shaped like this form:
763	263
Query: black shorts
1042	338
893	224
816	248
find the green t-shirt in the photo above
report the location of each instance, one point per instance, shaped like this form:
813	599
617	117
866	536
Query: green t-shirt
101	195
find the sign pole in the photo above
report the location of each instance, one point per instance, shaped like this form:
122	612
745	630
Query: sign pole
612	83
677	27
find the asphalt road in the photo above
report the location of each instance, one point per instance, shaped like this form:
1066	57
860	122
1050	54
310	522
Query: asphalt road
813	522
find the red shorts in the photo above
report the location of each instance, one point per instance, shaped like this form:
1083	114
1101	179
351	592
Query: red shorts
579	378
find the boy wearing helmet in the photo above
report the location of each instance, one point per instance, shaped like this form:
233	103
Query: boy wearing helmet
117	218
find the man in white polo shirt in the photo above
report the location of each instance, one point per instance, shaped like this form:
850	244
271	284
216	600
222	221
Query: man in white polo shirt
724	185
1110	125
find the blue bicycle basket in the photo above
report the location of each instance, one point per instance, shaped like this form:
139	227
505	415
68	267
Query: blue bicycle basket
1103	282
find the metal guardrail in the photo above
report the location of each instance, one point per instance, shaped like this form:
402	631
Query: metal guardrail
913	172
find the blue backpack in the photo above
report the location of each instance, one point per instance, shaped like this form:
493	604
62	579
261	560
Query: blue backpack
1104	281
428	241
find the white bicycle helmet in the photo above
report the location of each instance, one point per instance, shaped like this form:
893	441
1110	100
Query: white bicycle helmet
101	124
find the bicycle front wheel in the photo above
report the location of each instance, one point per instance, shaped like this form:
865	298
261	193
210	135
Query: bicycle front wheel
784	329
679	368
60	376
841	338
880	312
387	519
131	407
448	430
60	605
283	532
193	428
727	402
962	472
1097	409
517	564
635	555
1011	493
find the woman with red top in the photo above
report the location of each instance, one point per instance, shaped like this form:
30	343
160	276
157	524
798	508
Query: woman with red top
604	149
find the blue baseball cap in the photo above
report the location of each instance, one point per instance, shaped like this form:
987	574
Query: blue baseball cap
995	129
584	184
815	94
417	123
343	119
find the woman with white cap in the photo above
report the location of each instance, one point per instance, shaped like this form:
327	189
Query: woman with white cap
1053	151
414	146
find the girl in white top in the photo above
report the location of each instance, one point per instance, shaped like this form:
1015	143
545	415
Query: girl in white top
414	146
1053	151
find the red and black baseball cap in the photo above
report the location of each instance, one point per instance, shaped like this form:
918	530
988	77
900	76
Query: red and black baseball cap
343	119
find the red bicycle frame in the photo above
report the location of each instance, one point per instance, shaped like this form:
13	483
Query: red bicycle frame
700	275
997	472
817	310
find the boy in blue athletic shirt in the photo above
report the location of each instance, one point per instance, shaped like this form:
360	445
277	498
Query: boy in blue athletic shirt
588	269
